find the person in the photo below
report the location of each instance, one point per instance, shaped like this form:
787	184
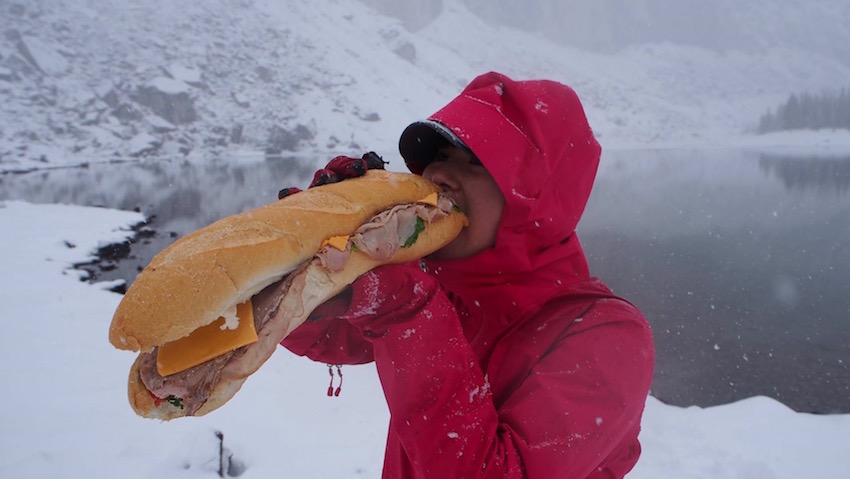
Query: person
499	355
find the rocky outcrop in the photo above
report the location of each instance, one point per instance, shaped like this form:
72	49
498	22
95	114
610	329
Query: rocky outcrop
168	99
165	80
280	139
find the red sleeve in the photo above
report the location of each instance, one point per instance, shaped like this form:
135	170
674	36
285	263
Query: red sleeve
575	406
327	339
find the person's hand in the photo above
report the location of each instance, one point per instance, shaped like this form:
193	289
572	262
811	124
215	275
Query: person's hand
388	294
385	304
385	293
338	169
333	308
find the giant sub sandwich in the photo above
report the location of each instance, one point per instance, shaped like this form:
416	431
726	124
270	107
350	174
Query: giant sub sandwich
211	308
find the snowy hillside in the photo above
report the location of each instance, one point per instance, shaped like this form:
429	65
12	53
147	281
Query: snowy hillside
89	81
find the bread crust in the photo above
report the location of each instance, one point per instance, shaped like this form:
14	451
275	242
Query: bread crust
322	285
191	283
200	276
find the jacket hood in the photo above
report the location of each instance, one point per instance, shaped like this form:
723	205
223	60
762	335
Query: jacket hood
534	139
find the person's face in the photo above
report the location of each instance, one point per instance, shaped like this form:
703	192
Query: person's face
465	180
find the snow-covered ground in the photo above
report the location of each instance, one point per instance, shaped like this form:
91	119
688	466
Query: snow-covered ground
64	411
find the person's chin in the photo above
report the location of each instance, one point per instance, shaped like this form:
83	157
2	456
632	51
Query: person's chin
454	250
462	247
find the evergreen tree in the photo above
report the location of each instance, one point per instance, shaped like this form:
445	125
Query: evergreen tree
809	111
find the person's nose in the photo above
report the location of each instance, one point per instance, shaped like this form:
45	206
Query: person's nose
441	173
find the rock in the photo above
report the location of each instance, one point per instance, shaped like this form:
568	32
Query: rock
143	144
42	56
7	75
304	132
240	100
111	98
90	117
406	51
371	116
281	139
169	99
236	134
127	112
265	74
159	124
218	137
20	67
185	74
169	86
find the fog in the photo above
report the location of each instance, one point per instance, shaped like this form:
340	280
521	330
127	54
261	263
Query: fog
607	25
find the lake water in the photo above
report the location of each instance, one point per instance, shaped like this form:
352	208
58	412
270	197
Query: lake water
740	261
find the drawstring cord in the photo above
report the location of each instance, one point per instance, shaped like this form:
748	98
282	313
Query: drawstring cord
331	391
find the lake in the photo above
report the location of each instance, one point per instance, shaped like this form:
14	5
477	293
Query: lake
740	260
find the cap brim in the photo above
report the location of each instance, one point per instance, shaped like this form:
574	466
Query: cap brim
421	140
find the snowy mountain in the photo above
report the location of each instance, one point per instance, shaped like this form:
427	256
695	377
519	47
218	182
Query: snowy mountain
89	81
610	25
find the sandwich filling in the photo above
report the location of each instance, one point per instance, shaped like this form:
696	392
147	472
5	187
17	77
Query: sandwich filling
188	385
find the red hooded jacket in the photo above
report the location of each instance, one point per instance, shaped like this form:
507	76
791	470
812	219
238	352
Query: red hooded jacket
514	362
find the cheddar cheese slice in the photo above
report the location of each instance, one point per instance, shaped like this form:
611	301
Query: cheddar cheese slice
338	242
207	342
429	200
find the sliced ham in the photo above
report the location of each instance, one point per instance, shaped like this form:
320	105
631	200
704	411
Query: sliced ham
384	234
193	385
273	307
332	258
379	239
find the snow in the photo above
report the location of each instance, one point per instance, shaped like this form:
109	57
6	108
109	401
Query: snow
353	79
349	79
186	74
169	85
46	57
141	143
755	437
64	412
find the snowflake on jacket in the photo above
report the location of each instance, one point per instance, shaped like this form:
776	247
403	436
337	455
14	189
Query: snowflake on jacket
514	361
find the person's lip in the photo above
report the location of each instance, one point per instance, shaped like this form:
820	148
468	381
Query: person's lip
452	196
460	204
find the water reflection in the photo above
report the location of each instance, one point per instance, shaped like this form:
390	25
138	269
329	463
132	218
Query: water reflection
743	275
802	172
739	261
